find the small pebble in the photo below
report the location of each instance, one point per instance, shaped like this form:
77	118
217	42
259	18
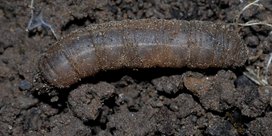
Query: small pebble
252	41
25	85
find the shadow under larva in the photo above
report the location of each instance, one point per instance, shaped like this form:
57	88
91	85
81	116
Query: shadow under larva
143	43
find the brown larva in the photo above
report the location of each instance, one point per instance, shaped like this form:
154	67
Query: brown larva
141	44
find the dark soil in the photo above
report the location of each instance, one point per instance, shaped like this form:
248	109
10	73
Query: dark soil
128	102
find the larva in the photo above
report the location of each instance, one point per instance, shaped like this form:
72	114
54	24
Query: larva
141	44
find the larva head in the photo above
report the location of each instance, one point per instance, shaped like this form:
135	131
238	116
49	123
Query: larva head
57	71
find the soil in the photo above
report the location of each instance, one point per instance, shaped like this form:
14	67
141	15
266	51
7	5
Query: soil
131	102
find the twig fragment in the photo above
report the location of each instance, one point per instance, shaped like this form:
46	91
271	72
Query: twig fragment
267	67
254	22
37	20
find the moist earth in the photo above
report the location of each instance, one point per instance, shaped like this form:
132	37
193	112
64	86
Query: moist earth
131	102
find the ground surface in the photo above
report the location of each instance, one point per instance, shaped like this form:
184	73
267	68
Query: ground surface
127	102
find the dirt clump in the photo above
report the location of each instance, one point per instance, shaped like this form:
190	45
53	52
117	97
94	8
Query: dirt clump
131	102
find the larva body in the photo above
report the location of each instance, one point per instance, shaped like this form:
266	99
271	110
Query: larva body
141	44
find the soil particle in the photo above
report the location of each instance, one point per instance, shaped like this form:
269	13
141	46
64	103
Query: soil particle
215	92
12	112
253	41
218	93
87	100
184	105
135	96
168	85
124	122
261	126
131	97
217	126
189	126
26	101
67	125
25	85
48	110
6	72
32	120
253	101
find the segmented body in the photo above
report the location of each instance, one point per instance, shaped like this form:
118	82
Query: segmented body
141	44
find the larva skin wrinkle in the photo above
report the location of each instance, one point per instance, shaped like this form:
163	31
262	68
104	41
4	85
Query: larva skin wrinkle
144	43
